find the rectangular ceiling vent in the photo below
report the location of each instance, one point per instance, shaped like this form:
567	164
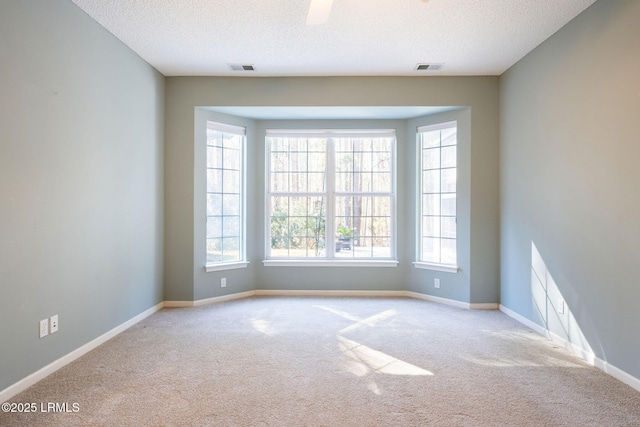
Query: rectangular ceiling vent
428	67
241	67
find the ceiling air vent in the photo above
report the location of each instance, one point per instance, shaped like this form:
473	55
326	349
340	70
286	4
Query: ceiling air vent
428	67
241	67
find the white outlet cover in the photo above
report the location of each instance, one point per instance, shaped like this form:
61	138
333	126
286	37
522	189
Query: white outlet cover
53	324
44	328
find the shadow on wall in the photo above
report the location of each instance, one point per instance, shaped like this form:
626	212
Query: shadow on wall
553	311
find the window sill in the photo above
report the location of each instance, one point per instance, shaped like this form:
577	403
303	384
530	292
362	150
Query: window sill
226	266
329	263
436	267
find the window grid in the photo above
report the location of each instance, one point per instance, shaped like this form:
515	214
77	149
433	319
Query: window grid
331	215
438	158
224	230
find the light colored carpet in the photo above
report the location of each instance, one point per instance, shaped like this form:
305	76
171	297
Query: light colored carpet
330	362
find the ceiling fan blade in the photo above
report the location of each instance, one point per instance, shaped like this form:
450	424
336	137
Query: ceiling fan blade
319	11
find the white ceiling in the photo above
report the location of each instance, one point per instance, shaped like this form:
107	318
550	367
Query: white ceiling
361	37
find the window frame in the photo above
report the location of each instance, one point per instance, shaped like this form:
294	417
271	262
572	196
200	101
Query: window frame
331	195
420	261
241	261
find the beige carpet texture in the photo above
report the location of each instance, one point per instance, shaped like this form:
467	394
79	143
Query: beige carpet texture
288	361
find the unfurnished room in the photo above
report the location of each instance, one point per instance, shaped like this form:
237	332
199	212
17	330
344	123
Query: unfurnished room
319	213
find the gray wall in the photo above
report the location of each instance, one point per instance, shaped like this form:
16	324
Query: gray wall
81	196
184	276
569	183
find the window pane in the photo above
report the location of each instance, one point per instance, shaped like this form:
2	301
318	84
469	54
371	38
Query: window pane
231	204
231	159
449	227
233	141
297	226
431	158
366	162
344	182
279	161
316	162
299	161
214	204
214	157
448	204
448	251
316	145
214	138
363	226
214	226
279	182
431	226
431	139
298	182
448	180
449	136
381	182
449	157
231	226
316	182
279	144
231	248
431	204
231	181
214	181
382	162
214	250
431	249
344	162
431	181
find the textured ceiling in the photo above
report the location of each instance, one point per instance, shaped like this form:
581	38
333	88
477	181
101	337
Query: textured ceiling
361	37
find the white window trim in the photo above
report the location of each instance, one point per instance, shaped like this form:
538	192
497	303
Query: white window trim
226	266
437	267
329	263
333	261
242	262
424	265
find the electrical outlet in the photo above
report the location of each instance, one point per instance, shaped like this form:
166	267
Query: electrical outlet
223	282
44	328
53	324
436	283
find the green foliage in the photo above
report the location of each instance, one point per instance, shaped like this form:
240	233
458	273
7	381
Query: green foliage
344	232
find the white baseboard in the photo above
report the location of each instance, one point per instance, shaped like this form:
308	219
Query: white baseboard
484	306
367	294
42	373
617	373
586	355
530	324
213	300
178	304
329	293
445	301
223	298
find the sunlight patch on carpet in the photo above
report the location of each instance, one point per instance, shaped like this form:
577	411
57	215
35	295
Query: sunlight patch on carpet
262	325
364	359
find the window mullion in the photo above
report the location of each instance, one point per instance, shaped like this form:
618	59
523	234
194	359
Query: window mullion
330	222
